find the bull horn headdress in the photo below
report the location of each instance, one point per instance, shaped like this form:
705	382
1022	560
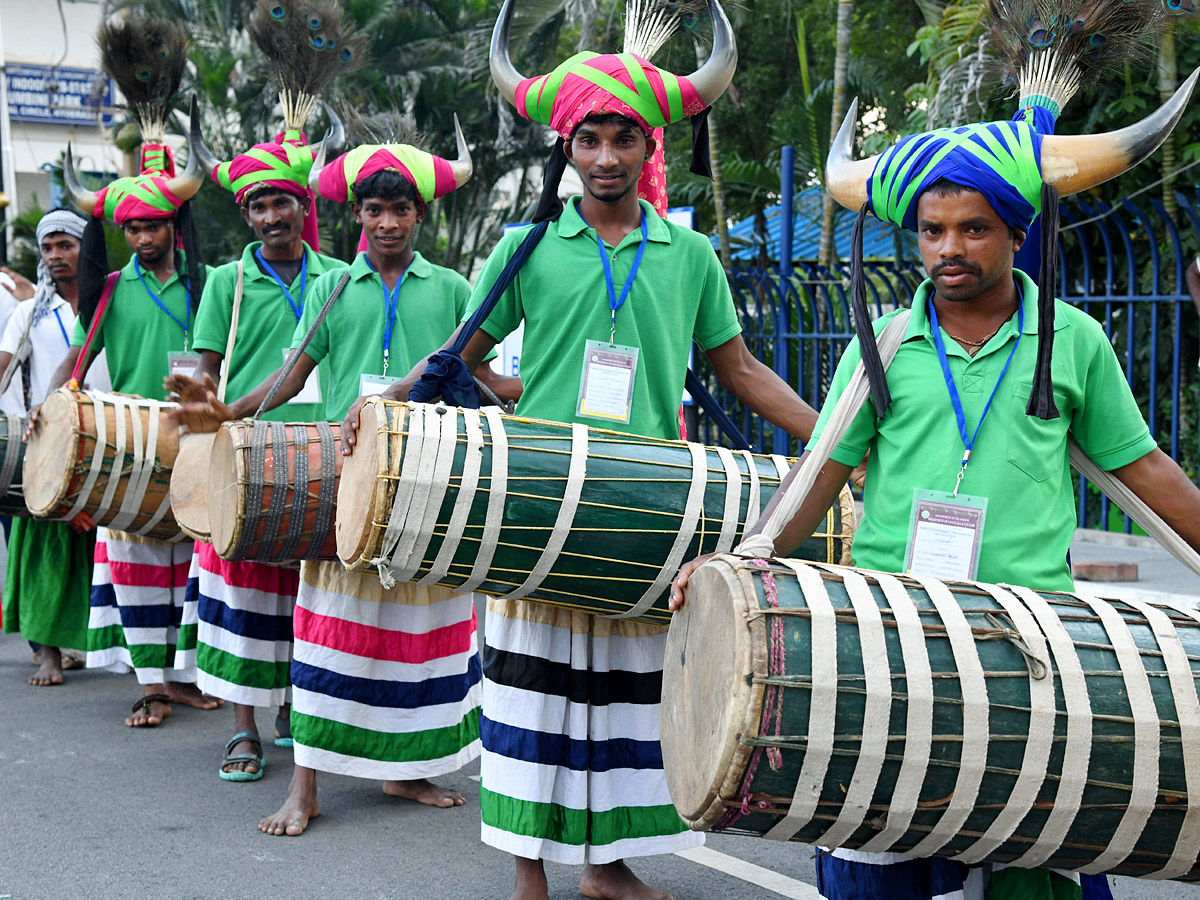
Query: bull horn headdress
1020	166
626	83
146	56
307	45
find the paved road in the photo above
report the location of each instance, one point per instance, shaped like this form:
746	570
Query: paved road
92	809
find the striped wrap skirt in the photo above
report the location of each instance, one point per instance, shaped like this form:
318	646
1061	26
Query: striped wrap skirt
854	875
135	620
572	766
385	683
243	613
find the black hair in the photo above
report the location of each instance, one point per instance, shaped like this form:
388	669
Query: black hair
611	118
386	185
944	187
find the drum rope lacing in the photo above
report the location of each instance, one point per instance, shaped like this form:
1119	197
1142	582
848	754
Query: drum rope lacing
15	427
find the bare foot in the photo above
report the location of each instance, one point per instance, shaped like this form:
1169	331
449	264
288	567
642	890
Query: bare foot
531	880
189	694
301	806
151	713
615	881
73	659
424	791
50	671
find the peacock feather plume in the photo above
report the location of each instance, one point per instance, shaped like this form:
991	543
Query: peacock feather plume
307	44
650	23
146	56
1052	48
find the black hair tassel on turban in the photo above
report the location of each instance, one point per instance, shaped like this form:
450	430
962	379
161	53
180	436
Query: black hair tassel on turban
881	397
1041	398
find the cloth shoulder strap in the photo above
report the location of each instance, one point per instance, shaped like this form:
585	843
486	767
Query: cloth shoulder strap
233	326
110	285
295	354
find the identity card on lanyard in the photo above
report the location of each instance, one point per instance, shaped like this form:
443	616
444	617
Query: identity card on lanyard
610	369
177	363
311	392
945	532
370	383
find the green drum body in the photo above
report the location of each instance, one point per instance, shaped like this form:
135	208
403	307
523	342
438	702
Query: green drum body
848	708
562	514
12	458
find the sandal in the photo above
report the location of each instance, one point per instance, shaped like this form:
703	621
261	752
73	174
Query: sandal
144	702
230	757
283	732
72	659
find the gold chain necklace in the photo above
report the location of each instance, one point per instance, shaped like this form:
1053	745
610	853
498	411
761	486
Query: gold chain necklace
976	344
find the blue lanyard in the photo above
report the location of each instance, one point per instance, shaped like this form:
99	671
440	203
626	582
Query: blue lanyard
615	303
62	328
967	438
137	267
391	302
297	308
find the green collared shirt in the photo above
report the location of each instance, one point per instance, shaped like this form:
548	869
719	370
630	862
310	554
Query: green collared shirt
1018	462
137	334
350	340
266	324
680	295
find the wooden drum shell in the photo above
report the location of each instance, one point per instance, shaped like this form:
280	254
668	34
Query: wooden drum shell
1078	746
60	460
265	517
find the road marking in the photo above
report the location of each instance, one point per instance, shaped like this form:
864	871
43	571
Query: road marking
748	871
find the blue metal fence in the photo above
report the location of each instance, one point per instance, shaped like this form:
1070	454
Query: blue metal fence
1126	269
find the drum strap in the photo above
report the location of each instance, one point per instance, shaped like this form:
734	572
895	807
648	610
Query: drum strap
279	491
295	529
497	494
294	356
327	493
754	504
429	492
733	499
235	314
254	487
15	427
110	285
468	484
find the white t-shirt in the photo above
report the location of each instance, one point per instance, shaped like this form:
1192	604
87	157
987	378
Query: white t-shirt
49	342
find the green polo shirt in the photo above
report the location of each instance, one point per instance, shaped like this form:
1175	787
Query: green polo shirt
1018	462
137	334
266	324
432	300
680	294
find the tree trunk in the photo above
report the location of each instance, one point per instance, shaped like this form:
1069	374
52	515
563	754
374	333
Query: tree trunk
1168	81
841	66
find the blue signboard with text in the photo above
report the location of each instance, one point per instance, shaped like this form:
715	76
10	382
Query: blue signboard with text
56	95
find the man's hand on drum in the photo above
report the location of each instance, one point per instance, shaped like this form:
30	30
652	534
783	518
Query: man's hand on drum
185	389
680	583
30	421
206	413
350	426
82	523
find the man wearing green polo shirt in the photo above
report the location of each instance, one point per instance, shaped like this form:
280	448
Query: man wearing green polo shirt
961	382
368	700
138	583
571	766
243	610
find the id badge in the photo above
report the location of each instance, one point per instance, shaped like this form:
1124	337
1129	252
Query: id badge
311	392
945	535
606	385
371	385
183	363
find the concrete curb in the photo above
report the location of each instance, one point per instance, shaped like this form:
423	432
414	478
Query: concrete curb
1117	539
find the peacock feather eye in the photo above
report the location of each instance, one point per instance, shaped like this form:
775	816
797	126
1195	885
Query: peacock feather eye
317	41
330	44
278	12
144	74
347	54
314	22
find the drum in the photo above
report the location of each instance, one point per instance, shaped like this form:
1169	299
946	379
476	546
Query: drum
564	514
107	455
271	490
855	709
12	456
189	484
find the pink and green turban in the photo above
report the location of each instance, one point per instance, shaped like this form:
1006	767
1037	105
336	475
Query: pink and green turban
283	165
432	176
148	195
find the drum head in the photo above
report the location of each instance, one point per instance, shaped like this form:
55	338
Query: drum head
50	456
189	484
706	702
225	501
359	503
